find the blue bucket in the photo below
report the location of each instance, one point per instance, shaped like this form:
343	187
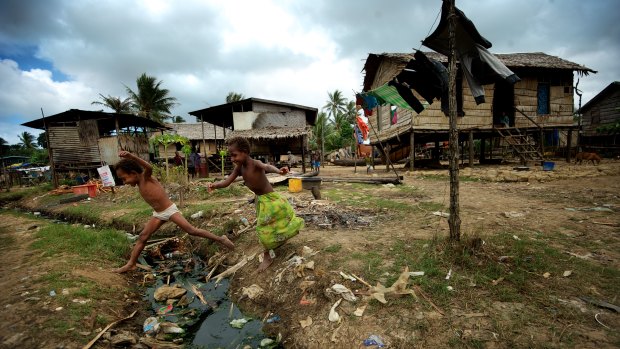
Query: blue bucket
548	165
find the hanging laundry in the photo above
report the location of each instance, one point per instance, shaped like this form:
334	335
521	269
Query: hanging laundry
368	102
479	65
428	77
394	115
408	96
363	128
389	95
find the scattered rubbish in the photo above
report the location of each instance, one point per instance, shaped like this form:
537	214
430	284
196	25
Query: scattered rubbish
65	292
335	334
198	294
304	285
305	323
123	339
344	292
198	214
567	273
389	185
347	276
441	214
81	301
307	252
238	323
173	255
449	274
399	287
94	340
495	282
36	213
164	310
600	303
416	273
513	214
502	259
360	311
306	301
273	319
449	288
374	340
170	327
546	275
599	321
333	315
131	237
596	208
166	292
59	309
234	268
516	237
245	221
266	342
52	293
151	326
252	292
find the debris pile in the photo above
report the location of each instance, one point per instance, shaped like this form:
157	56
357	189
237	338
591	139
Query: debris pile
328	215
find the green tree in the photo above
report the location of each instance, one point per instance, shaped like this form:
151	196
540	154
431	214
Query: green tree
3	146
27	140
234	97
151	100
336	104
321	131
351	112
115	103
177	119
42	140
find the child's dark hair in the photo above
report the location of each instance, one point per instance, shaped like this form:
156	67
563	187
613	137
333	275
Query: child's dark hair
240	143
128	166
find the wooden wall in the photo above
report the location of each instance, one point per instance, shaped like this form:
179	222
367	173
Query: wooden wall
604	112
67	147
477	116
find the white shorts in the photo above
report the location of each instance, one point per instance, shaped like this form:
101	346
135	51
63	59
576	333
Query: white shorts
167	213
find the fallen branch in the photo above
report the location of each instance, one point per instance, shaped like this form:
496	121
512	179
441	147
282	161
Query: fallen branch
361	280
234	268
160	242
198	294
251	226
94	340
417	288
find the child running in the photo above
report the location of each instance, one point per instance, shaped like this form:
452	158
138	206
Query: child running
134	171
275	218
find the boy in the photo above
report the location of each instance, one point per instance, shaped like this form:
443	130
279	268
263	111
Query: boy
275	218
134	171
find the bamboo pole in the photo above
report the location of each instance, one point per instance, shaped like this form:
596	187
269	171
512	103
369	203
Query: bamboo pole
454	221
471	148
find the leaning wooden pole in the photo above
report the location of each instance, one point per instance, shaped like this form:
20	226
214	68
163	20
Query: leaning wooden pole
454	221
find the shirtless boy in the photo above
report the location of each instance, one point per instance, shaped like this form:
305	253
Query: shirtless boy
134	171
275	218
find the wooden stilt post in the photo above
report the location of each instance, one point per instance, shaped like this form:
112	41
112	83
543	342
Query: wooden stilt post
471	148
483	146
569	139
411	150
454	221
303	154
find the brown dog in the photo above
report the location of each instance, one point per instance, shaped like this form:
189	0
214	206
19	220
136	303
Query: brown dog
587	157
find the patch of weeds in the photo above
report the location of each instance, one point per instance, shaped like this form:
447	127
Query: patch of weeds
392	205
333	248
371	262
83	212
20	193
233	190
408	190
6	240
431	206
59	239
208	210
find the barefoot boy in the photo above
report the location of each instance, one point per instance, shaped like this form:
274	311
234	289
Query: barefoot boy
275	218
134	171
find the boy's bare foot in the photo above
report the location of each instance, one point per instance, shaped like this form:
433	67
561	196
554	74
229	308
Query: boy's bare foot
266	262
225	241
125	268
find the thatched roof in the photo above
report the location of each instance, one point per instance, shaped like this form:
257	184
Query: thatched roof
614	86
105	121
533	60
193	131
269	133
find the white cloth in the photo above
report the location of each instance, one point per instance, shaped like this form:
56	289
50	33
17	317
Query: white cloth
167	213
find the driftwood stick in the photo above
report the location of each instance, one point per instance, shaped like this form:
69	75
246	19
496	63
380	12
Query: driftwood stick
234	268
198	294
428	299
361	280
94	340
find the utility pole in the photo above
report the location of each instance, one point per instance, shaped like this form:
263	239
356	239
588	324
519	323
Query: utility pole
454	221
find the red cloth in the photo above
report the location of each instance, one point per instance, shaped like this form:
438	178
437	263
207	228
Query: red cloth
363	127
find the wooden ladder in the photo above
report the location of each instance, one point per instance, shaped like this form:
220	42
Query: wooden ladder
523	145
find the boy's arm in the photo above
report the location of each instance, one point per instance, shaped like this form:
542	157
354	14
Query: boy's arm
231	177
272	169
148	169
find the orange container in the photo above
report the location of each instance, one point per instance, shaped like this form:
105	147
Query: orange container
90	189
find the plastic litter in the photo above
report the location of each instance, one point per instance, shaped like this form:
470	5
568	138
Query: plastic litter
238	323
266	342
245	221
165	310
344	292
360	311
333	315
305	323
441	214
347	276
416	273
449	274
273	319
567	273
374	340
151	326
52	293
169	327
252	292
197	215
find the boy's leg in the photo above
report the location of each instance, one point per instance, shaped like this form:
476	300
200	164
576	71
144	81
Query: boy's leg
151	226
180	221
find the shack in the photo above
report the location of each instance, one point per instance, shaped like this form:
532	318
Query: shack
539	107
601	121
213	136
273	128
81	140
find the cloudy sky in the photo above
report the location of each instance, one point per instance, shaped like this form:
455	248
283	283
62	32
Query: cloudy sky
61	54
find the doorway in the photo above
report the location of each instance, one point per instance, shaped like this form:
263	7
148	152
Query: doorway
503	103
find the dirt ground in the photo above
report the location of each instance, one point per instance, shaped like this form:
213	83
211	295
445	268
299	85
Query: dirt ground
373	231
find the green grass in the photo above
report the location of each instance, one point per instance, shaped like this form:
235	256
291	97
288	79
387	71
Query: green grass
87	244
16	194
333	248
6	240
233	190
441	177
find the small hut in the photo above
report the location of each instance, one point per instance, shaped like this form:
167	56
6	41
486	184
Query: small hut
601	120
273	128
541	103
81	140
212	135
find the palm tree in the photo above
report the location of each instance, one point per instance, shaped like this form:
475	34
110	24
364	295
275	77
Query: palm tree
151	101
27	140
321	131
177	119
42	140
3	144
335	104
351	112
234	97
115	103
